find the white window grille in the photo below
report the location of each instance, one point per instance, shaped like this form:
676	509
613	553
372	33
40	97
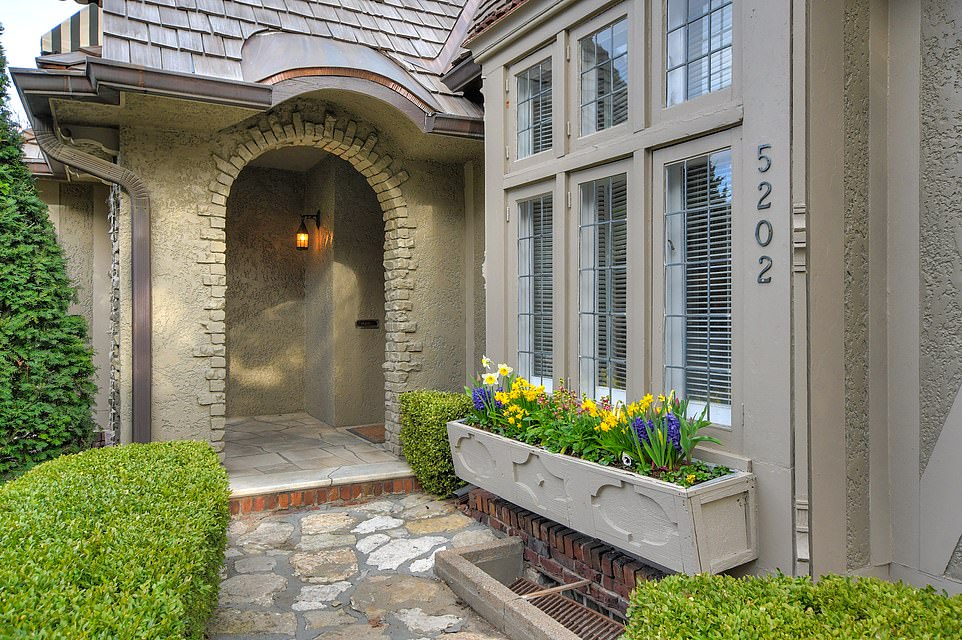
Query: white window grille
603	288
535	291
534	109
604	77
698	283
699	48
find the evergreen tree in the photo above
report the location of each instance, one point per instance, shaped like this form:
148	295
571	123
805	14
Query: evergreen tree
46	365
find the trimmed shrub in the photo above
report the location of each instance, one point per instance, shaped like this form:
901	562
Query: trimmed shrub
45	362
121	542
783	608
424	437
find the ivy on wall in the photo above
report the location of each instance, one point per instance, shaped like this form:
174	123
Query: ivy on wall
46	365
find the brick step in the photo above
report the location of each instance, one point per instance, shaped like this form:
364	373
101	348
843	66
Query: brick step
348	493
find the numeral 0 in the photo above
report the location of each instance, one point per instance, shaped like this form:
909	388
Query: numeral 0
763	230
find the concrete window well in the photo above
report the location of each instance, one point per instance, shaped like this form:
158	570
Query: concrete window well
304	328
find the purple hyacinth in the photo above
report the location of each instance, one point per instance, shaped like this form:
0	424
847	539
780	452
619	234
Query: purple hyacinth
641	429
483	397
673	428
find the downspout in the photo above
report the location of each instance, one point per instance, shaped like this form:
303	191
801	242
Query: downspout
140	262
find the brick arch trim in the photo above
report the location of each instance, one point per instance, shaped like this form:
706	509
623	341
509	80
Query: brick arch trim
343	138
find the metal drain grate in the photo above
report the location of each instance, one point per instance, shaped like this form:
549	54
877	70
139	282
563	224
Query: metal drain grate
580	620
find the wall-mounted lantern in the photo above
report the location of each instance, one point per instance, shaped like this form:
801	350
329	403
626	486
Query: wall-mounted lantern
303	239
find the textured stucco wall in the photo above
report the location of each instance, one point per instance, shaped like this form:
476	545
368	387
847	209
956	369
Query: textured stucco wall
940	230
78	212
265	308
476	268
435	194
856	102
177	169
319	387
940	226
358	294
344	380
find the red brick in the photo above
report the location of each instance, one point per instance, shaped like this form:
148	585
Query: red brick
595	556
246	505
234	507
628	573
606	559
258	504
333	494
416	485
587	572
531	557
270	502
344	492
408	485
355	491
284	500
551	567
378	488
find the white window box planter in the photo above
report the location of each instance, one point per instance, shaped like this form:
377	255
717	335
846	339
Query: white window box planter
706	528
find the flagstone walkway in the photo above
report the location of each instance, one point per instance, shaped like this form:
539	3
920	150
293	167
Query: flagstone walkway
358	572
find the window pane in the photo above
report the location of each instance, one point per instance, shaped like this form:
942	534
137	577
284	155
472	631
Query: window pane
535	289
604	78
603	287
698	282
699	41
534	109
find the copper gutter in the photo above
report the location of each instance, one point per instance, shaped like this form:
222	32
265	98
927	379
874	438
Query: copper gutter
140	262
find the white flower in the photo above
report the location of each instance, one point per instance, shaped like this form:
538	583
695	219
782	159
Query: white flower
490	379
504	370
486	362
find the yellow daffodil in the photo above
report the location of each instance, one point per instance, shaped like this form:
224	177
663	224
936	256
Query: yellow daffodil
590	407
661	398
490	379
501	397
504	370
486	362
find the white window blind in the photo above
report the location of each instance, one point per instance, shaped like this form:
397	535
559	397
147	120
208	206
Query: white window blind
535	294
534	109
698	282
699	51
603	288
604	77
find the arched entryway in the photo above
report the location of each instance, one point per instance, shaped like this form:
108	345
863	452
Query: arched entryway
348	151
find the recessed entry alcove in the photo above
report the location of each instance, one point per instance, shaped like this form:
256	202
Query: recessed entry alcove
304	326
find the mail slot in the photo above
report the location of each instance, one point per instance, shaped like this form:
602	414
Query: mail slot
367	324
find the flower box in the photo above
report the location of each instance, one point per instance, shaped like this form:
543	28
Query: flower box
709	527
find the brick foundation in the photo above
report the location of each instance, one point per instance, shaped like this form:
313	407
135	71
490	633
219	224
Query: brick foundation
563	554
339	495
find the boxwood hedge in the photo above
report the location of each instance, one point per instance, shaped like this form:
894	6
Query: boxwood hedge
782	608
424	437
121	542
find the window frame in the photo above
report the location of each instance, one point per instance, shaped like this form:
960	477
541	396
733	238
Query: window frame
730	435
636	81
559	301
544	52
693	107
635	285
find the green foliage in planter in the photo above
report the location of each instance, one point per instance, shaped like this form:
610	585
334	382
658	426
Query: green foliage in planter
45	362
120	542
783	608
424	436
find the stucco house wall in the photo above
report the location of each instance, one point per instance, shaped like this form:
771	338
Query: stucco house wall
265	311
424	260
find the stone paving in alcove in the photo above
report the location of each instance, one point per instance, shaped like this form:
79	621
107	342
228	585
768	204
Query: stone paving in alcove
356	572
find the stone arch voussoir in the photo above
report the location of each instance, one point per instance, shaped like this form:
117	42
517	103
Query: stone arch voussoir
344	138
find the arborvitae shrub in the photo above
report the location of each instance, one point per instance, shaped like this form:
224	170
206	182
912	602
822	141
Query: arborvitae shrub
46	364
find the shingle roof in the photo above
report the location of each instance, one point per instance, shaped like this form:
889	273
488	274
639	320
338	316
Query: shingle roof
205	36
489	12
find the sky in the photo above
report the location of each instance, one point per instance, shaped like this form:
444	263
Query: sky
24	22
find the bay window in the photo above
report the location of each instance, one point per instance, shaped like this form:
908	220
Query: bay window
604	77
698	49
535	291
534	109
698	282
603	287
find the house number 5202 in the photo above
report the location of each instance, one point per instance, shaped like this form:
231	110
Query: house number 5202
763	228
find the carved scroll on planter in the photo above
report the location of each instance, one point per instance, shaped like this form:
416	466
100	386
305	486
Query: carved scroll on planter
706	528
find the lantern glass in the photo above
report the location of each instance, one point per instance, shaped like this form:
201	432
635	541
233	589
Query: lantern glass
302	239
